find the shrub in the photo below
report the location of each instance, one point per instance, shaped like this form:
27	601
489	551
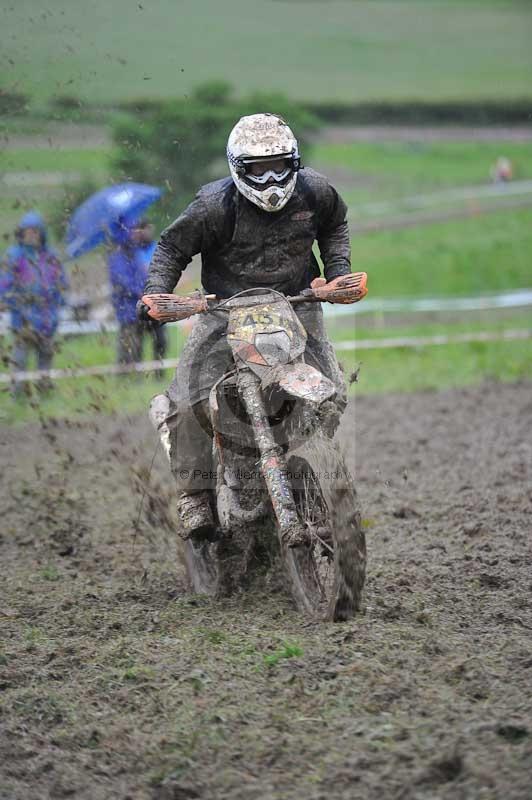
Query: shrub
181	144
420	112
12	102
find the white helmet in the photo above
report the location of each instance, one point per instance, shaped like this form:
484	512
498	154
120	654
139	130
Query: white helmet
263	137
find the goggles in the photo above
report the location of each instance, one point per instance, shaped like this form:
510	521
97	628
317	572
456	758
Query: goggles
278	177
242	165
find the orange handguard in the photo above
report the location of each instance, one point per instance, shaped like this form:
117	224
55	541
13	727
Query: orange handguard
345	289
172	307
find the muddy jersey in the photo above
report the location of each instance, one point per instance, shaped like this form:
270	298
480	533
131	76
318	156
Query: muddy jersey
243	247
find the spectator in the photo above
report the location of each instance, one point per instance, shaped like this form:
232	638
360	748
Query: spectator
128	263
32	286
502	170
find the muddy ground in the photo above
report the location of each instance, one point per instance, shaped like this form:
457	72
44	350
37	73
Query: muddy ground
115	683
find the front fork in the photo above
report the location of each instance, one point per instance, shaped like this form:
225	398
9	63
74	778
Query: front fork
272	461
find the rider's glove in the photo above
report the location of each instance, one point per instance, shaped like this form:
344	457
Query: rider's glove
343	289
144	316
317	282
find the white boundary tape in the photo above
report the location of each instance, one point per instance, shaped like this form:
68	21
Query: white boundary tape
499	191
362	344
82	372
517	298
423	341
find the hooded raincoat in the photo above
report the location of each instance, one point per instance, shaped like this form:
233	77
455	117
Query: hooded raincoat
128	269
33	282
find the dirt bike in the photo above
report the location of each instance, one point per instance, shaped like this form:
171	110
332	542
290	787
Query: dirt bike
276	471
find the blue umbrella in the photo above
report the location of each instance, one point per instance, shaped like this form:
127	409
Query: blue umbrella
92	222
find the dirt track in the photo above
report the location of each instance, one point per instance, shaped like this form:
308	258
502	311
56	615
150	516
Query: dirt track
116	684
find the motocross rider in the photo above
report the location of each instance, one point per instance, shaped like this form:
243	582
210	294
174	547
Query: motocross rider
253	229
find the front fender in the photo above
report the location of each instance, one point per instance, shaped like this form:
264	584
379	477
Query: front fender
303	381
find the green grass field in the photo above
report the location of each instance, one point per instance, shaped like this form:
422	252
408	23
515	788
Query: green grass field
334	50
378	326
86	162
464	257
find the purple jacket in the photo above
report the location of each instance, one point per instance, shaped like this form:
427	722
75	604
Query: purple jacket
32	285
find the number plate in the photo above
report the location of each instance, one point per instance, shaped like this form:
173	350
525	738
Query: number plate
246	323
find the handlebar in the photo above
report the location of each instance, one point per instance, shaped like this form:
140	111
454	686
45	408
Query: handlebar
345	289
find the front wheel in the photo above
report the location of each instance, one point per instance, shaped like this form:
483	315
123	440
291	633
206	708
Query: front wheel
327	576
